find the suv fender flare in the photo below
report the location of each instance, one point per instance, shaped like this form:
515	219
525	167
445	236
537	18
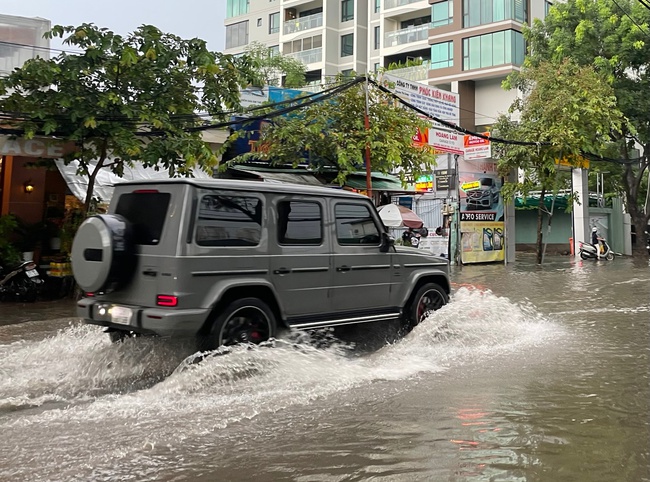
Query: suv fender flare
225	291
420	278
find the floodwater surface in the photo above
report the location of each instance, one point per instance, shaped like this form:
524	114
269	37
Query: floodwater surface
529	374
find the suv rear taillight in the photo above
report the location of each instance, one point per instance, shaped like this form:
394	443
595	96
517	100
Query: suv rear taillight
167	300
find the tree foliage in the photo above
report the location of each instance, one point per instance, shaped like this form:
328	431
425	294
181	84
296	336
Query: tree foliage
332	134
566	110
272	67
614	38
125	99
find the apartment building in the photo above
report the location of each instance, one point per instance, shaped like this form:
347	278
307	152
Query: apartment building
21	39
465	46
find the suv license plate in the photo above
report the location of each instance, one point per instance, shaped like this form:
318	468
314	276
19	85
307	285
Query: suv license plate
31	273
121	315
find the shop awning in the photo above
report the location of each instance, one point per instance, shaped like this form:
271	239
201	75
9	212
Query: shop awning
380	182
269	174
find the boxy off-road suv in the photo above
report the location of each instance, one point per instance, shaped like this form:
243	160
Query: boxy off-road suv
234	261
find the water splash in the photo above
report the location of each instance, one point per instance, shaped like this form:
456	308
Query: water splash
148	379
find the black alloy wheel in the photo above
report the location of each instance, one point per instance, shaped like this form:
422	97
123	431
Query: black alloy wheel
248	320
429	298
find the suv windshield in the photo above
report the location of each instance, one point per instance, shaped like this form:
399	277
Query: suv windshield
147	211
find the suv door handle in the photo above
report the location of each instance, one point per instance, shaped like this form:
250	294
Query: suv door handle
282	271
342	268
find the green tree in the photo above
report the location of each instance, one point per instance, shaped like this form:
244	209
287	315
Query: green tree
272	66
332	134
566	110
125	99
613	37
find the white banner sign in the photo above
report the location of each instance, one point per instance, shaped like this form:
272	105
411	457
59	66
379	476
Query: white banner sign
436	102
448	141
477	148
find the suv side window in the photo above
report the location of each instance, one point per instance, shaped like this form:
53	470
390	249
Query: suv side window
300	222
355	225
229	221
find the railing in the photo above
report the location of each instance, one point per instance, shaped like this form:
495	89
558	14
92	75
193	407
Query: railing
304	23
414	74
407	35
398	3
308	56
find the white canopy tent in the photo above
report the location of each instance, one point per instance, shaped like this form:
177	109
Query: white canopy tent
105	180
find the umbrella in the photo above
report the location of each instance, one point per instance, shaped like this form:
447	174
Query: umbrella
395	216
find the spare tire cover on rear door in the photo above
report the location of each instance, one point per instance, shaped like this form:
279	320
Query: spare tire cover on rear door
103	254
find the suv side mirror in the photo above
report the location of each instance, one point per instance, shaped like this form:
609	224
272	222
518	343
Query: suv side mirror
387	242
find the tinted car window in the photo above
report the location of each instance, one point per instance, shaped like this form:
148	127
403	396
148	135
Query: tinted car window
299	223
229	221
355	225
147	212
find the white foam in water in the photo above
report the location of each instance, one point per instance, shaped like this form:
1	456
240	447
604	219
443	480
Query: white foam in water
148	380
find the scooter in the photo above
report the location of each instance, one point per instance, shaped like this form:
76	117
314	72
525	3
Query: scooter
590	251
21	283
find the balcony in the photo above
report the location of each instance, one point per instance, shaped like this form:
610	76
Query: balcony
308	56
414	74
303	23
398	3
407	35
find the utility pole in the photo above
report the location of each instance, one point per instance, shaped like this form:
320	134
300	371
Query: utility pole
367	123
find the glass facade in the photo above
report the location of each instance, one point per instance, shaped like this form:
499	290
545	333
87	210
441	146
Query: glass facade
497	48
377	38
442	55
237	34
236	7
442	13
481	12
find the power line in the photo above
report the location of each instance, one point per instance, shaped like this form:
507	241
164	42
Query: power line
633	21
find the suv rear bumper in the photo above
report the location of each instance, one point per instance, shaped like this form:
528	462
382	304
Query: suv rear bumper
163	322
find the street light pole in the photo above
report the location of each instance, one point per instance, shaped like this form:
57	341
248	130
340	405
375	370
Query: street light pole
367	124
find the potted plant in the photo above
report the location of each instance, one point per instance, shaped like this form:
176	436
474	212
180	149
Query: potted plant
8	252
30	236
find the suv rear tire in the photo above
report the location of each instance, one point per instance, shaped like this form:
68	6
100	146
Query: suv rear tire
246	320
429	298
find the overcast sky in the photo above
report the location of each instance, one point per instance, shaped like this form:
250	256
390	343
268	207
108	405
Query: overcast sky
185	18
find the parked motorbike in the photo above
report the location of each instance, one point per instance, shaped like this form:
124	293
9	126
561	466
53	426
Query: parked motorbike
590	251
20	283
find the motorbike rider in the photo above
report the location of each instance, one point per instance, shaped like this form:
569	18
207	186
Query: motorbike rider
597	241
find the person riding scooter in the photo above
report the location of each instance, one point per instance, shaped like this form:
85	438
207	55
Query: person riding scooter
597	241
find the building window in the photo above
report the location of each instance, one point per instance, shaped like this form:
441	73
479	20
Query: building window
303	44
347	72
236	7
274	50
442	55
547	7
377	38
347	45
377	6
497	48
442	13
481	12
347	10
274	22
237	34
259	22
376	68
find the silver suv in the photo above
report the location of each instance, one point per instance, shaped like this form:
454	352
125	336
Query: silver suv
234	261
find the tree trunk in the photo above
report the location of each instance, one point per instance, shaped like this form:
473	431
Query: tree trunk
540	221
93	175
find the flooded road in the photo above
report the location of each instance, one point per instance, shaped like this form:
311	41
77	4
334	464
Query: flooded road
530	374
